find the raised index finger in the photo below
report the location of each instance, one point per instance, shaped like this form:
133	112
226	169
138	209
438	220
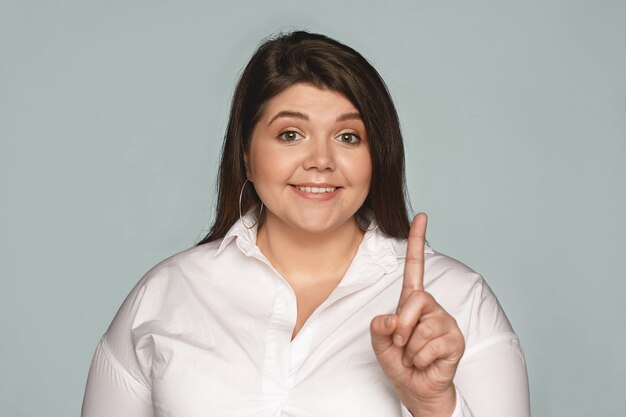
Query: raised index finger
414	263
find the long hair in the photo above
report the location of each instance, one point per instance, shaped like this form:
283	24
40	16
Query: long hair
303	57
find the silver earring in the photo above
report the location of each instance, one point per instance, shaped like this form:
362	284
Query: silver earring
241	215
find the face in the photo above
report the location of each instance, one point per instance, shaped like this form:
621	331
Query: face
309	160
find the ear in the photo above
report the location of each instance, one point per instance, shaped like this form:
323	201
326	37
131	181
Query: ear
246	161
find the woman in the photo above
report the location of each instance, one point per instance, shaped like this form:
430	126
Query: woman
312	295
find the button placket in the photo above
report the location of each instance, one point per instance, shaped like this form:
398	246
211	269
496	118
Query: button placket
300	349
276	364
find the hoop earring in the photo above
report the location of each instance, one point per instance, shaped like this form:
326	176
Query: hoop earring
240	214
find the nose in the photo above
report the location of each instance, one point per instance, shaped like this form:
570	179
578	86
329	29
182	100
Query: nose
320	155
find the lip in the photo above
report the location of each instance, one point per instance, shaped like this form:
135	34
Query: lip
315	184
316	196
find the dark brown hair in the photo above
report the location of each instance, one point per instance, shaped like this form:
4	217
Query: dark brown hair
303	57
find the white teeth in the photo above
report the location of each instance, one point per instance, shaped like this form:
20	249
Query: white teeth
316	190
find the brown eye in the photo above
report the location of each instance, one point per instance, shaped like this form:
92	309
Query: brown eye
349	138
289	136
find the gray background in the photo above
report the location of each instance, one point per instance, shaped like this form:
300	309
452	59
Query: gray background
111	119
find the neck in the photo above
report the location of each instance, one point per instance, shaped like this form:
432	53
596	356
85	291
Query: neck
303	257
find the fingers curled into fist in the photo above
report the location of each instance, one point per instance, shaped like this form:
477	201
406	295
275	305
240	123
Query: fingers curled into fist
427	332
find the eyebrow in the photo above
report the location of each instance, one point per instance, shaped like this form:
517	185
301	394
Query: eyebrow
299	115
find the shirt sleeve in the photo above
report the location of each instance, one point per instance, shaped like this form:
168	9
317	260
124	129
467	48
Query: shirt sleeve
461	408
117	385
493	379
112	391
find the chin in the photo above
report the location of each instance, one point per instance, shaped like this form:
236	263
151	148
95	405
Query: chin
322	225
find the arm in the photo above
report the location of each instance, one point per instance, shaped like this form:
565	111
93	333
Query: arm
112	391
461	409
448	373
492	378
116	385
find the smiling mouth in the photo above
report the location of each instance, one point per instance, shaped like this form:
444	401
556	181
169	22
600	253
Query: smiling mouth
316	189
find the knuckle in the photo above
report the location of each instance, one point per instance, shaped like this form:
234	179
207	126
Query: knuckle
449	323
424	330
428	297
408	292
412	259
420	360
461	342
416	295
404	330
435	348
373	323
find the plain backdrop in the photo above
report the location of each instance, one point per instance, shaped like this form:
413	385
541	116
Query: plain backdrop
112	115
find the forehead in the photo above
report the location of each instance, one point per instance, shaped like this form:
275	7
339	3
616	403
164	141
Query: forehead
309	99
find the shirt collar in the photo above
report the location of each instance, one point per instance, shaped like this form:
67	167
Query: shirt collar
377	246
246	238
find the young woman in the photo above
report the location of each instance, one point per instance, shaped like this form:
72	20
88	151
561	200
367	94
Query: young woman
313	294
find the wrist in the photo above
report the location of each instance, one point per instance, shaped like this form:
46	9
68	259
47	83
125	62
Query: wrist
441	405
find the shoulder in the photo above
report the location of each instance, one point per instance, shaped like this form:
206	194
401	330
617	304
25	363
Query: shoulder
466	295
463	293
182	265
445	272
442	273
185	259
154	297
169	280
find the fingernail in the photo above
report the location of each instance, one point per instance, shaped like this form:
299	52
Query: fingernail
387	321
397	340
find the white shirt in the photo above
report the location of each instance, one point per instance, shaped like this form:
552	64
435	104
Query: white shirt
207	332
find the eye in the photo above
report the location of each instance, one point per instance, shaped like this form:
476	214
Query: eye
289	136
349	138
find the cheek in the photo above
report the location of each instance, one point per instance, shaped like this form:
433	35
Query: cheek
358	170
366	169
271	167
364	179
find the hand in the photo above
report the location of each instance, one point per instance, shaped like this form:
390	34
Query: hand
419	347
